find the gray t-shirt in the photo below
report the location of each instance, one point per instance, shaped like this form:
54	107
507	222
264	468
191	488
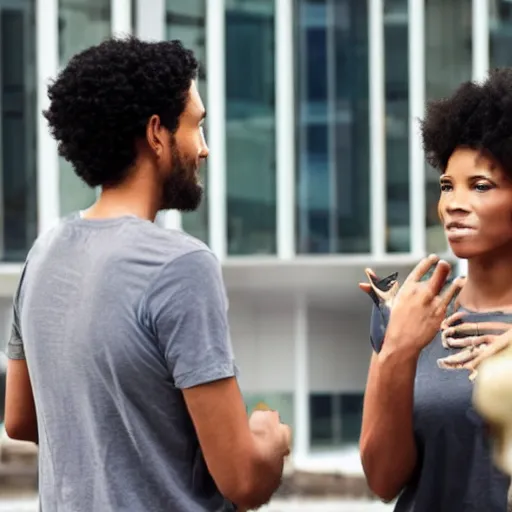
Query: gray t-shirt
115	317
455	471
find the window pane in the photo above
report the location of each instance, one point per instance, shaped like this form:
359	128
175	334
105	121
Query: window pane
500	22
332	127
82	23
250	127
448	63
18	192
186	21
396	33
335	419
321	427
352	416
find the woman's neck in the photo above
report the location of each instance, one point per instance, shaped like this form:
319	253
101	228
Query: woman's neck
489	283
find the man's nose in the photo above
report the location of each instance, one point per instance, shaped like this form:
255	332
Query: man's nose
204	152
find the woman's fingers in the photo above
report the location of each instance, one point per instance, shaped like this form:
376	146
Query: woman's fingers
476	329
365	287
458	360
468	341
500	343
451	292
450	320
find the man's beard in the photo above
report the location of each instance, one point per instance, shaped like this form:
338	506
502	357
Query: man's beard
181	189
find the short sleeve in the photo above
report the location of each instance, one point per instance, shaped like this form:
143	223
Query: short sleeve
187	309
378	325
15	348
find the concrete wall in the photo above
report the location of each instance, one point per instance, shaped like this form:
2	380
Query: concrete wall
262	333
339	350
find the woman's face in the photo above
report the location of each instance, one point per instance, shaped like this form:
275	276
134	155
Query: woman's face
475	205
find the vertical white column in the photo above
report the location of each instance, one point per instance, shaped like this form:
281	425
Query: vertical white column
301	391
47	55
150	25
378	222
121	16
480	29
480	63
332	59
216	122
285	128
417	84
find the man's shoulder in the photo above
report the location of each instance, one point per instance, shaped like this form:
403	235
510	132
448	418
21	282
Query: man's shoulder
178	248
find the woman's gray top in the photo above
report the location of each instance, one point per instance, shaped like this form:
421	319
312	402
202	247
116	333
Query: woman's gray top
455	471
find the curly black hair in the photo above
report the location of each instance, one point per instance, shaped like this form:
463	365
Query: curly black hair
101	102
476	116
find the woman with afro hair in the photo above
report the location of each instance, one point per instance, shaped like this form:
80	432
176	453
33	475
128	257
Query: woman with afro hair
422	441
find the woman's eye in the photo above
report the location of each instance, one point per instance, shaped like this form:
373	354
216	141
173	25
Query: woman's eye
445	187
482	187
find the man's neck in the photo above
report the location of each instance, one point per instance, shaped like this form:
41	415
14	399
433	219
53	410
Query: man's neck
133	199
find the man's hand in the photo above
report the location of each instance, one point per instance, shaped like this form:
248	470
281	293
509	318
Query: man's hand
266	423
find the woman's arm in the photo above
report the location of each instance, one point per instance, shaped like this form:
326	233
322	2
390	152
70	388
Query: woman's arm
388	448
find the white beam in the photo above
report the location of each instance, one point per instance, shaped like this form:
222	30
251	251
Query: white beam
480	63
377	128
121	16
285	128
301	389
47	55
417	85
332	59
480	29
150	26
216	124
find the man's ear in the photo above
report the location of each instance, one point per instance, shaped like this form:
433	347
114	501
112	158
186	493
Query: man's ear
155	135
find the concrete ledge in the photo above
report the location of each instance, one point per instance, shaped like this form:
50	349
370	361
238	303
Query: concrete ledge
18	466
302	483
19	473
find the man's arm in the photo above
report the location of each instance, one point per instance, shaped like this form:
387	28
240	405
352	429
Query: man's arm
246	466
20	410
187	308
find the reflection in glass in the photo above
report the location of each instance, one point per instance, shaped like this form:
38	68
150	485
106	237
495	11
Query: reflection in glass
250	127
332	127
186	21
18	193
396	33
448	63
500	25
335	419
82	23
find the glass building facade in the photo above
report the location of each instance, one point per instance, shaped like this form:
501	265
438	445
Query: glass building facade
312	127
341	174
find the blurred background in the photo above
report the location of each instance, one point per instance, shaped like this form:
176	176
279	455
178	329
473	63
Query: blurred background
315	172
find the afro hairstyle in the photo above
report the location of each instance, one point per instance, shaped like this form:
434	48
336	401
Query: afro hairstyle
476	116
101	102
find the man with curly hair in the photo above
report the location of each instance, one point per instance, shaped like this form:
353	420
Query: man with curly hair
121	366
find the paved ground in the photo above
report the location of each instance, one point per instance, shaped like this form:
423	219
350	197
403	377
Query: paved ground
30	505
25	505
327	506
